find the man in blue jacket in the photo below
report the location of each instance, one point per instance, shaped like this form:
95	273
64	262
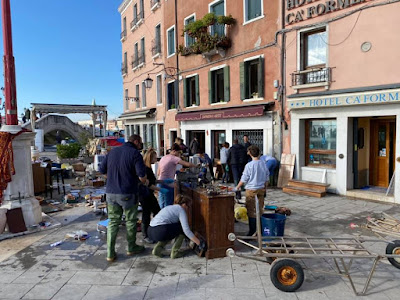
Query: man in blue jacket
125	169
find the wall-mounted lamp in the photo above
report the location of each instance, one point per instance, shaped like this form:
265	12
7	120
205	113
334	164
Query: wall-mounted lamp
148	82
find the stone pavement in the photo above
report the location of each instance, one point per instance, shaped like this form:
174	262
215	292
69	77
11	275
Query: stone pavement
78	270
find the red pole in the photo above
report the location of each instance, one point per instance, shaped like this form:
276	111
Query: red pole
10	90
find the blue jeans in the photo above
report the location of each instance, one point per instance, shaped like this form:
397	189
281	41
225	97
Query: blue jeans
237	171
166	199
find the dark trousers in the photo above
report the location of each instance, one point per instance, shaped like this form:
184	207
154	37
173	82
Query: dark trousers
225	176
165	232
237	171
149	205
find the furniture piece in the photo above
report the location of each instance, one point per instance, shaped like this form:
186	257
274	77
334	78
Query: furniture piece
50	172
212	217
38	178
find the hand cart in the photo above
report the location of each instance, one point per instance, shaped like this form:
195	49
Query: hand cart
281	252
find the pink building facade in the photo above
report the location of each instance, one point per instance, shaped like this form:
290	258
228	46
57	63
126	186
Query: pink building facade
342	95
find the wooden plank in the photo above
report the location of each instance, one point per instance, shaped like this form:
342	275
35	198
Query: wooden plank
286	169
309	185
301	191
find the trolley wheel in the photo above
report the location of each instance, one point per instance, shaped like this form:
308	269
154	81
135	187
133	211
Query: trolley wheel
230	252
232	237
287	275
394	249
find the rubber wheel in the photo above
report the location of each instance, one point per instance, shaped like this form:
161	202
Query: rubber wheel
394	248
287	275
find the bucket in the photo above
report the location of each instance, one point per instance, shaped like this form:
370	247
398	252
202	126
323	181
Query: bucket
273	224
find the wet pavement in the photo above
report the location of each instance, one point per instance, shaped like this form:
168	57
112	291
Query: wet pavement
79	270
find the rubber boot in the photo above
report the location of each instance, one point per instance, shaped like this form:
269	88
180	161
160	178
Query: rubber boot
175	253
252	226
158	248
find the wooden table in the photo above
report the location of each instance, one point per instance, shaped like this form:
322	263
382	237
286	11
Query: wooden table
212	217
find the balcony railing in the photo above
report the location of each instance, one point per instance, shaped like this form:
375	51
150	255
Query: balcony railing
156	48
318	75
154	4
137	61
124	68
136	20
123	35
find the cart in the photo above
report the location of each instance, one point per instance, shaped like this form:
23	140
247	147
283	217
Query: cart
282	252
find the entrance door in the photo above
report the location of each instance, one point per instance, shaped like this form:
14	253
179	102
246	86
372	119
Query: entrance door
382	151
200	135
218	138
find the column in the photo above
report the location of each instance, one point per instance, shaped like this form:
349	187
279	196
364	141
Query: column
397	164
342	132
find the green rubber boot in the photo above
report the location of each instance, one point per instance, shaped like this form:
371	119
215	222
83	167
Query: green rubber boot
175	251
158	248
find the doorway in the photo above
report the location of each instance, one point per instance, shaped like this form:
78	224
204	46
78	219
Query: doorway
200	135
218	138
382	151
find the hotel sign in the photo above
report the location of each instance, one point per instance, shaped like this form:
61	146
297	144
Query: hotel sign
376	97
317	9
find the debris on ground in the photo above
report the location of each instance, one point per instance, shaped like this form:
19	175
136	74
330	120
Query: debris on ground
385	225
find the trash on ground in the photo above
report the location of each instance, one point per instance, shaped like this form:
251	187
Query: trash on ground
78	235
56	244
385	225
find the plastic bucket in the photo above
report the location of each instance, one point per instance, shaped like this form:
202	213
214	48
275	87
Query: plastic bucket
273	224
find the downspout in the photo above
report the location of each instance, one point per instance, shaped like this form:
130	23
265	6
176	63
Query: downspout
283	125
177	66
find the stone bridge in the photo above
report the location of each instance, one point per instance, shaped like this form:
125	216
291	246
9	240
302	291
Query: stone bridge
50	123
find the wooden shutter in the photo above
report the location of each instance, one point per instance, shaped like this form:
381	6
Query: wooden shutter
242	81
210	88
185	104
227	94
196	78
176	99
260	77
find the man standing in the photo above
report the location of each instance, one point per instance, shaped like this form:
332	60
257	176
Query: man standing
194	146
237	158
166	172
246	145
125	168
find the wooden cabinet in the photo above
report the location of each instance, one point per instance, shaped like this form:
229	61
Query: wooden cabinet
38	178
213	218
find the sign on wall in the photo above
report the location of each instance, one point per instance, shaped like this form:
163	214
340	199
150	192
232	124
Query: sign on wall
376	97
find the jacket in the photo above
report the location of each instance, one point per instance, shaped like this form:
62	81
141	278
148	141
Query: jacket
237	155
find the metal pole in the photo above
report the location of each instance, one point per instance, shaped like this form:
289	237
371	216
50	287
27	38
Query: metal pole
9	67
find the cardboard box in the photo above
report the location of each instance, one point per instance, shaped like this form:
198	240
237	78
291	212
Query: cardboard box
79	167
96	183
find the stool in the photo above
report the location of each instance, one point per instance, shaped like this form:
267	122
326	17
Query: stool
58	172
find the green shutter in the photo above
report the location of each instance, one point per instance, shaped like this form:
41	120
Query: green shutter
242	81
210	88
184	93
260	77
227	94
196	78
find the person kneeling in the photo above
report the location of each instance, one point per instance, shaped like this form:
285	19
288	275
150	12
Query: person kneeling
171	222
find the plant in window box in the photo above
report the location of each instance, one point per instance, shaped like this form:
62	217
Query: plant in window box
172	106
226	20
184	51
221	100
224	42
255	95
210	19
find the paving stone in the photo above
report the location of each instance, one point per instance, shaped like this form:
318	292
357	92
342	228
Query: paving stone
311	295
138	276
72	292
245	268
77	265
107	292
219	266
171	268
9	276
98	278
190	293
15	290
247	281
153	293
203	281
164	281
31	277
235	293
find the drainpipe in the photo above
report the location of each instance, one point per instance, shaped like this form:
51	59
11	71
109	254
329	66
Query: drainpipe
177	67
283	125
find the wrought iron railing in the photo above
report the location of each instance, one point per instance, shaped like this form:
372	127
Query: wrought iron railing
124	68
318	75
154	2
123	34
136	61
156	48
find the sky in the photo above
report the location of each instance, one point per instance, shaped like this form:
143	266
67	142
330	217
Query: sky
67	52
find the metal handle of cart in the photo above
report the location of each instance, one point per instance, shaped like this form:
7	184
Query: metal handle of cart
281	252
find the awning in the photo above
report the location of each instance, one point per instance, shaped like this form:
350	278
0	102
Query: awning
142	114
224	113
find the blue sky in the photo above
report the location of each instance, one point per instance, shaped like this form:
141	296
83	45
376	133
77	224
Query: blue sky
67	52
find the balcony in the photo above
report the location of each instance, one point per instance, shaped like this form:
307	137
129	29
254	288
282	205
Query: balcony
154	4
124	68
312	78
137	62
123	35
137	20
156	48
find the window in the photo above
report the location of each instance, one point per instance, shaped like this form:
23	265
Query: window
218	85
252	78
171	94
188	39
143	95
218	8
137	96
141	9
253	9
135	61
156	49
135	14
159	89
123	33
256	137
137	129
126	100
171	40
124	68
191	94
152	136
313	51
145	136
143	48
321	143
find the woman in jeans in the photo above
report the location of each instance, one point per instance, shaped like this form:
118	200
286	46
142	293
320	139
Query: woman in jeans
224	162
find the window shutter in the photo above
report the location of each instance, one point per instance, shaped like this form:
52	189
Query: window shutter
197	90
210	88
176	87
227	94
185	104
260	77
142	9
242	81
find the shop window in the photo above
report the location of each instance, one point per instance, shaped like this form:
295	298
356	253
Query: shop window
252	79
219	85
253	9
171	95
218	8
256	137
137	129
188	39
321	143
137	96
171	40
191	94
